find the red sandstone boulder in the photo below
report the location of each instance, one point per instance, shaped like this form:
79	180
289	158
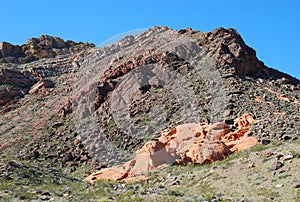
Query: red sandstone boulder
187	143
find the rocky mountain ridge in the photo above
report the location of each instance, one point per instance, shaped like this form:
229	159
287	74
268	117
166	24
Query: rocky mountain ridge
44	88
37	48
16	82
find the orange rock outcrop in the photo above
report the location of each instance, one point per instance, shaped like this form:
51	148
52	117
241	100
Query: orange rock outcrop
187	143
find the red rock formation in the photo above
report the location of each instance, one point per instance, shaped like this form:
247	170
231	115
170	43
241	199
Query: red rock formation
239	139
151	155
36	48
187	143
244	121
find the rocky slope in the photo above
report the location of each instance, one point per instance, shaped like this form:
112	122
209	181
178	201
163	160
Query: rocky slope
68	108
16	80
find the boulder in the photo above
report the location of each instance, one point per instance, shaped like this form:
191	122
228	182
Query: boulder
207	152
152	155
41	86
187	143
244	121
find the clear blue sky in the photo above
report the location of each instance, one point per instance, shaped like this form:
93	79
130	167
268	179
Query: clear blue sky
271	27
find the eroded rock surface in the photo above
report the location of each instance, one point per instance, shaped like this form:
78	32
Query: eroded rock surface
187	143
13	85
24	68
37	48
229	50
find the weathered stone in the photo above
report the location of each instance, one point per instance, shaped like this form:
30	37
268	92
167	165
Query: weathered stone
41	86
186	143
265	141
37	48
9	50
287	157
227	48
277	165
13	85
296	185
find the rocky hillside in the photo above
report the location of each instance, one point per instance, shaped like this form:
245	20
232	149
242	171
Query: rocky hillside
16	79
68	109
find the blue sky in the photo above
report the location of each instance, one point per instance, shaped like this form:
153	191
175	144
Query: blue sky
271	27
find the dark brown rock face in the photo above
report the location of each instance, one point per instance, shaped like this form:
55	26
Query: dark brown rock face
13	84
227	48
15	78
9	50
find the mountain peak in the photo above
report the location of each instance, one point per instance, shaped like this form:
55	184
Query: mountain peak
187	96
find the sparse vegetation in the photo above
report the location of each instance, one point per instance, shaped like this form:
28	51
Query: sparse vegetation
43	157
